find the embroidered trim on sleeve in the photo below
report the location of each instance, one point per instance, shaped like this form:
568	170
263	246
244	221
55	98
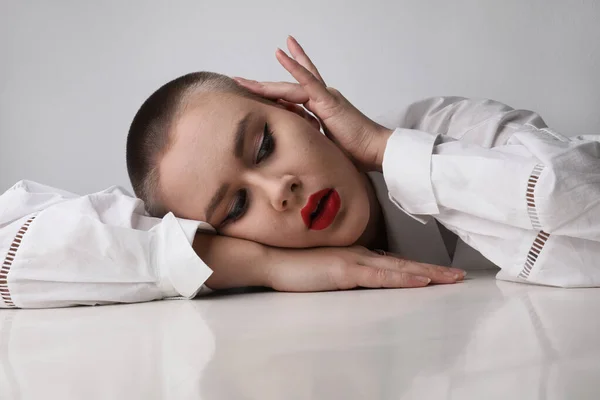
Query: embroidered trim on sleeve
534	252
8	261
542	237
529	195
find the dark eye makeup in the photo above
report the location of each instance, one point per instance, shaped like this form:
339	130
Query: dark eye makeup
267	145
241	200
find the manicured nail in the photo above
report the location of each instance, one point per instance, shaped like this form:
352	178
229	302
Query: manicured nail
422	279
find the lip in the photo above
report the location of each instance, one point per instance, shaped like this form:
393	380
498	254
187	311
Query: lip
328	212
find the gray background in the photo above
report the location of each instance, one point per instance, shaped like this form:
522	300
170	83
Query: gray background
73	73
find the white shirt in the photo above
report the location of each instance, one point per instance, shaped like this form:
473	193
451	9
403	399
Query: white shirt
524	196
59	249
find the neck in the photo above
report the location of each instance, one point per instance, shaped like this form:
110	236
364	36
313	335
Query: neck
374	235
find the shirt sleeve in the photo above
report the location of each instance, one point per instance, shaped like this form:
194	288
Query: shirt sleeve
59	249
538	180
484	122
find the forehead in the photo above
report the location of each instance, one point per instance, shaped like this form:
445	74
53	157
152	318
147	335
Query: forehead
203	112
201	152
207	123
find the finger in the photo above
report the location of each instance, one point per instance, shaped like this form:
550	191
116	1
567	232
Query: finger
315	89
435	272
438	274
401	261
451	269
370	277
301	111
300	55
295	108
291	92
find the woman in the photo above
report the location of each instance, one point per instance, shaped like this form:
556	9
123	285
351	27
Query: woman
502	188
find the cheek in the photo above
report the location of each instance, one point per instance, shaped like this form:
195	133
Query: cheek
258	225
357	214
312	153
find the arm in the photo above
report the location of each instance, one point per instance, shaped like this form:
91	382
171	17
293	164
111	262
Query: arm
510	187
311	270
504	169
63	250
531	206
540	180
484	122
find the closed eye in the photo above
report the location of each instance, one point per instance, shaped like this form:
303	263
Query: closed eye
241	201
267	145
239	207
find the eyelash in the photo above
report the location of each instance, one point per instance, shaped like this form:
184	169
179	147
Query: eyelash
240	205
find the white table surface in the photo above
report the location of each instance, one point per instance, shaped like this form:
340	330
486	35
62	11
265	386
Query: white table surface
482	339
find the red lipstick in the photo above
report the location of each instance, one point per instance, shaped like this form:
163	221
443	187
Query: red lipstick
320	209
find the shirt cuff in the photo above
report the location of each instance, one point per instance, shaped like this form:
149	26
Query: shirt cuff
181	270
407	171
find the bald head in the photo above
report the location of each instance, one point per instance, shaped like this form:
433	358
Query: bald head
149	134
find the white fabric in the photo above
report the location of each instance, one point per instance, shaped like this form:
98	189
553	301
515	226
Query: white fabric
60	249
469	165
466	162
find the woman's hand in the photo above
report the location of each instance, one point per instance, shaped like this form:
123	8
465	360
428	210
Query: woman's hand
310	270
362	139
341	268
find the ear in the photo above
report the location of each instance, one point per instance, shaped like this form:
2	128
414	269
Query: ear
301	111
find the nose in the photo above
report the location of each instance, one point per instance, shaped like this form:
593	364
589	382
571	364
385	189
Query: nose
281	192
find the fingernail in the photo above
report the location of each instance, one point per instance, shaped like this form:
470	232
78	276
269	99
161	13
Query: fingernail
422	279
459	271
282	52
451	275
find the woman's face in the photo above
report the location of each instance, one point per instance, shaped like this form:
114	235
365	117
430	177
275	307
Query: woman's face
259	172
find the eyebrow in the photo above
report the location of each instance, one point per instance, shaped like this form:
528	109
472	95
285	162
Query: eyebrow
238	152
